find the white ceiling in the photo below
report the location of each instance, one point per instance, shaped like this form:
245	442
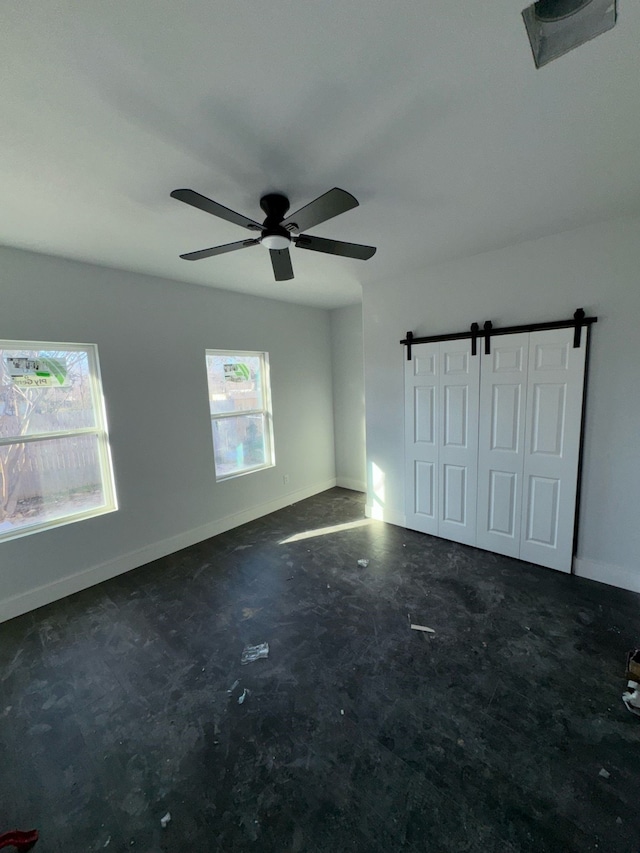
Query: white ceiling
432	114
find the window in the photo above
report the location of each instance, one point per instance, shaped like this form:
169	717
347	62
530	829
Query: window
240	408
55	465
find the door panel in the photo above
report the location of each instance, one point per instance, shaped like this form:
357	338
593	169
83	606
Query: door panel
455	494
542	511
502	502
547	427
505	417
456	415
552	447
421	438
458	452
441	427
503	392
424	409
425	492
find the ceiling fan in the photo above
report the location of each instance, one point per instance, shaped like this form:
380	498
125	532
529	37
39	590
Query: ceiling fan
278	233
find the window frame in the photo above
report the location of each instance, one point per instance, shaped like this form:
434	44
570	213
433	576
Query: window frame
99	430
266	411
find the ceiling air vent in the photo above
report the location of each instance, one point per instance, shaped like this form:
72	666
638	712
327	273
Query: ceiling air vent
555	27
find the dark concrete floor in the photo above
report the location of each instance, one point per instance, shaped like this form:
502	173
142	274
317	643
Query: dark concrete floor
357	734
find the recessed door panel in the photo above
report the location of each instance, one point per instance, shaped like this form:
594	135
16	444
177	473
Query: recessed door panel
456	361
502	503
507	354
455	416
547	427
551	356
542	511
454	494
505	417
425	495
424	414
425	364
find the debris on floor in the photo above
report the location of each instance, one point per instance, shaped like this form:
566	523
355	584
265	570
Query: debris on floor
19	839
363	563
631	697
243	696
165	820
422	628
250	612
633	664
251	653
233	686
604	773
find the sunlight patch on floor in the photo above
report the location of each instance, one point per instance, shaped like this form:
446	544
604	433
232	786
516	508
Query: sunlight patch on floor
325	531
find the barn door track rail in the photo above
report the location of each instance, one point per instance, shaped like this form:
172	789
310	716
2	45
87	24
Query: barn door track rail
488	331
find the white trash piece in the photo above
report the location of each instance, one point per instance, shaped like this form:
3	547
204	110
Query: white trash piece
251	653
165	820
631	698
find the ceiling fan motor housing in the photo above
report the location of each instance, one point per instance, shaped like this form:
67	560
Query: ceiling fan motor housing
274	236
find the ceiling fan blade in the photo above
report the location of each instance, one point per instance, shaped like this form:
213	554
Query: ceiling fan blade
281	262
335	247
203	203
325	207
218	250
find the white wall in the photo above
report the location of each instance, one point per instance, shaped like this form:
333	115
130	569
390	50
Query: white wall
348	397
597	268
152	334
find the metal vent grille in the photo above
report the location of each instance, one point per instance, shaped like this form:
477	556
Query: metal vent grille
555	27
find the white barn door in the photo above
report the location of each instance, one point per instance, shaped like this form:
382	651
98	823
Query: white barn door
552	447
458	445
421	421
492	443
503	400
441	437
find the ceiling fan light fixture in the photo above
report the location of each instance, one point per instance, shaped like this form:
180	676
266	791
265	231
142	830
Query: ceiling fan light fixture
275	240
555	27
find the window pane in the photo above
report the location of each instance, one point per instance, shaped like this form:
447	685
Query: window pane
239	444
44	391
51	479
235	382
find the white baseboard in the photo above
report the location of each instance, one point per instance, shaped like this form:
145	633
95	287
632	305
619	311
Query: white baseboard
388	515
609	574
354	485
46	594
